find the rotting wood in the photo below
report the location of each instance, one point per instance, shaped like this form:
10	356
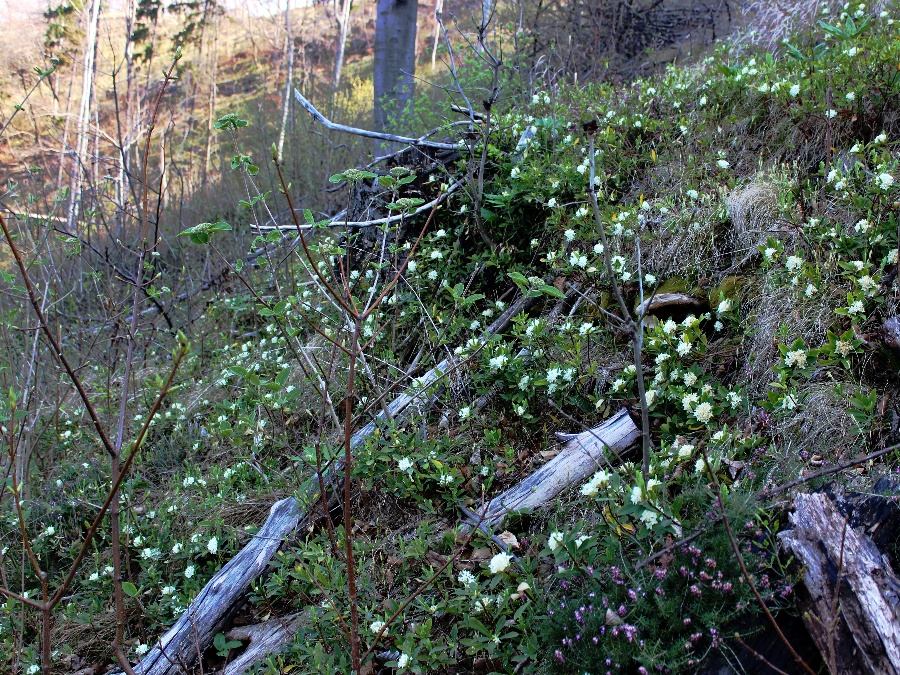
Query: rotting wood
662	301
266	638
582	455
193	632
205	616
854	595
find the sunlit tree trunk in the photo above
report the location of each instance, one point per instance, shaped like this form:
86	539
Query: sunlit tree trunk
342	15
438	10
289	78
84	115
395	59
213	57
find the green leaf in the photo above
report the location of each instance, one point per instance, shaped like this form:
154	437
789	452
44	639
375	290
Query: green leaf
129	589
201	234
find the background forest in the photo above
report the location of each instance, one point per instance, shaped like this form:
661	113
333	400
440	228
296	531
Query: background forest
449	336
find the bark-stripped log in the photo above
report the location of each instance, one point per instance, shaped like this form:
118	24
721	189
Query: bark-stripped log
662	301
582	455
854	595
265	639
194	630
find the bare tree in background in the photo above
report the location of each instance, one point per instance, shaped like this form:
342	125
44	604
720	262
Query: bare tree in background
342	16
438	11
395	58
84	115
289	76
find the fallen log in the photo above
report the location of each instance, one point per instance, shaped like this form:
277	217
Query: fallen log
667	301
853	600
190	636
195	629
581	456
266	638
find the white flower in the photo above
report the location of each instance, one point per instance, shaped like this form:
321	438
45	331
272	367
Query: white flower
636	494
499	563
850	96
688	400
376	627
795	358
514	173
724	306
551	202
650	396
693	194
880	138
403	660
734	399
569	235
578	259
723	163
189	571
497	362
32	669
885	181
168	590
856	307
793	263
592	487
669	327
699	465
554	540
867	283
831	113
649	518
94	576
794	90
405	464
685	451
212	545
466	578
689	379
465	412
810	291
683	348
769	252
862	225
703	412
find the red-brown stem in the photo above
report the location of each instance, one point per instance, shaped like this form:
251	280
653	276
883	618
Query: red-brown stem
740	561
348	513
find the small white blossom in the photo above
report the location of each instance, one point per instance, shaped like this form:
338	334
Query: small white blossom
499	563
554	540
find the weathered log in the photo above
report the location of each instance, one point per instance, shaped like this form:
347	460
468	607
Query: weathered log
266	638
853	594
662	301
890	330
582	455
195	629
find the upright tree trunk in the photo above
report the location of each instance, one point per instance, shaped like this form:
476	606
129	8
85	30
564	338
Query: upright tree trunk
342	14
84	114
213	56
438	11
395	60
289	78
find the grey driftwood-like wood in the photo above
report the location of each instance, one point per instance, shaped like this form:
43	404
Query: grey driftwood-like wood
266	638
356	131
192	634
662	301
194	630
582	454
854	595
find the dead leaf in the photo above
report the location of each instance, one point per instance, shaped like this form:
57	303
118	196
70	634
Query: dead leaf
509	539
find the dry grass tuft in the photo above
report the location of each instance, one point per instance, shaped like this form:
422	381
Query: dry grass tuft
821	427
777	313
753	211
